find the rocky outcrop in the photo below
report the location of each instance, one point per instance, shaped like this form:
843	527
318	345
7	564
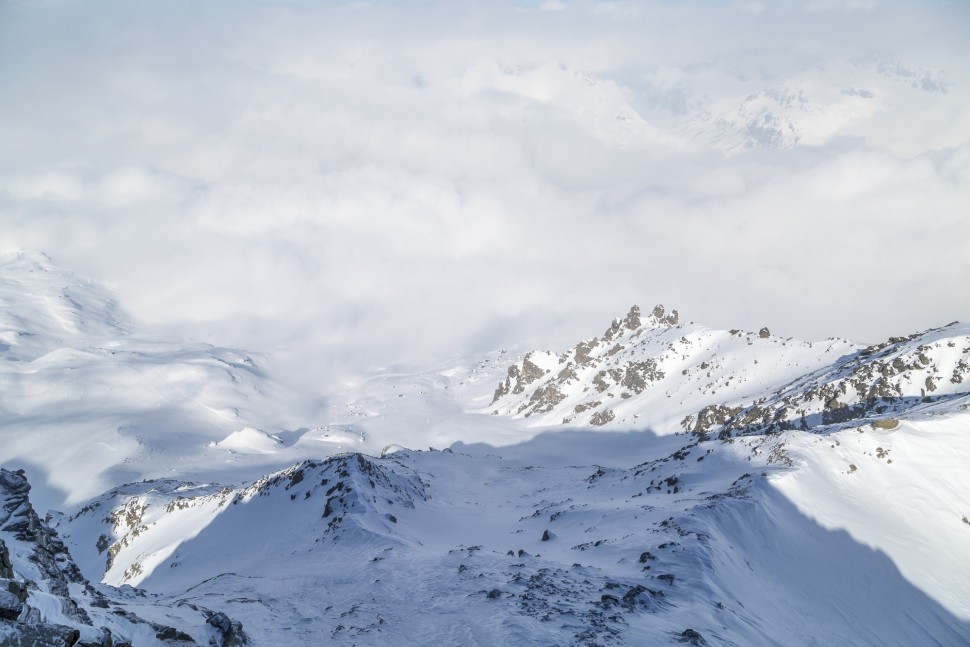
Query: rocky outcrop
601	362
519	377
726	377
48	566
6	568
659	317
876	385
47	552
43	633
34	561
12	598
230	631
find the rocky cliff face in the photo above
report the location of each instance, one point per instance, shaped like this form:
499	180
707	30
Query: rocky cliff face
45	600
44	568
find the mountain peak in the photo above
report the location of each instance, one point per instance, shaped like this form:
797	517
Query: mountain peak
634	321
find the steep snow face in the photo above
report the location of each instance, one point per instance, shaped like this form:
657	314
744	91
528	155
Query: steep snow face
652	372
901	491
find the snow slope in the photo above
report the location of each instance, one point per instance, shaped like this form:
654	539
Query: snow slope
91	403
663	483
432	547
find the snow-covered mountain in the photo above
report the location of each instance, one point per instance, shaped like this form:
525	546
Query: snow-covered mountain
657	372
94	402
662	483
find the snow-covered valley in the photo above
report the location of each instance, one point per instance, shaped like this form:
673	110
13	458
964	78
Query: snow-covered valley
661	483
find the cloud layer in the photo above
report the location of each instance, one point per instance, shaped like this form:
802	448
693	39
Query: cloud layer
361	184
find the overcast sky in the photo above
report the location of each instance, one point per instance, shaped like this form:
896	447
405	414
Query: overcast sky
366	184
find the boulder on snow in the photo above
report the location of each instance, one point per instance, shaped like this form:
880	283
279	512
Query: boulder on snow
230	631
691	637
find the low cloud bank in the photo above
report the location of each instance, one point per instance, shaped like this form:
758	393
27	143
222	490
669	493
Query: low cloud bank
356	185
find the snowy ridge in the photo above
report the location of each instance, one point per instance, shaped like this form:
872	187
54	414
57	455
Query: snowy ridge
652	372
666	376
141	526
924	373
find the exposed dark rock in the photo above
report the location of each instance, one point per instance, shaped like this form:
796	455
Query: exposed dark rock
583	350
885	423
107	640
691	637
56	570
545	535
6	569
43	634
530	373
600	418
545	398
638	375
10	606
632	320
172	634
518	378
230	631
662	319
579	408
764	333
613	330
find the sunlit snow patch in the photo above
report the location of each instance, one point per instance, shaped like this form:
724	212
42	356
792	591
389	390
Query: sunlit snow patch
250	441
340	434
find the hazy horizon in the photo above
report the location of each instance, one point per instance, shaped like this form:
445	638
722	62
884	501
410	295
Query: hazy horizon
365	184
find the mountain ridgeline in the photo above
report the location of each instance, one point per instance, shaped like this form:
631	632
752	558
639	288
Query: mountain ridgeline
729	383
